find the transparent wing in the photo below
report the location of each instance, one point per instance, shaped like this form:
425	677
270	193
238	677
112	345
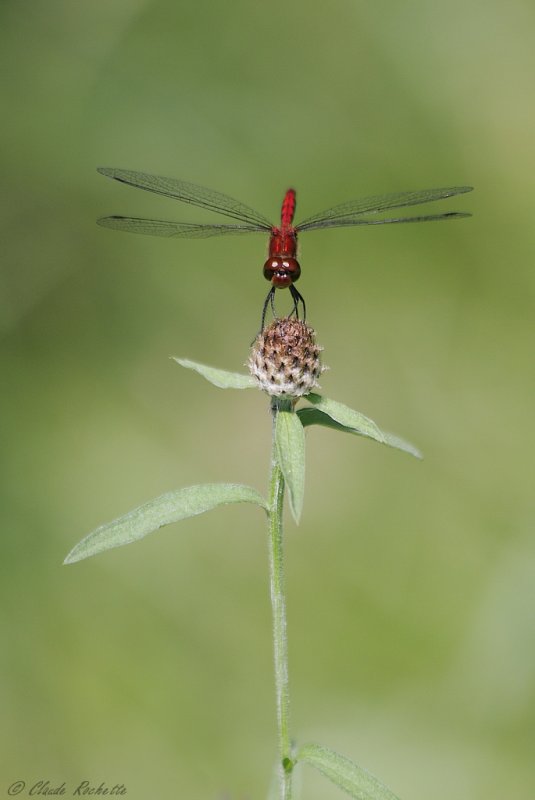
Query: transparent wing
189	193
350	213
344	222
179	230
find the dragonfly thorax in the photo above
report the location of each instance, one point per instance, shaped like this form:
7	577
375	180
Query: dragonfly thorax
283	242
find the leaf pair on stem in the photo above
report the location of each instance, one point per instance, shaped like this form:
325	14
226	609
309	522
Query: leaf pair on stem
193	500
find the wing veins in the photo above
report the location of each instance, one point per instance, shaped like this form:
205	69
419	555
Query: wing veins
346	222
189	193
376	204
179	230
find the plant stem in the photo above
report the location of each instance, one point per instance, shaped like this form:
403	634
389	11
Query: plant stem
278	606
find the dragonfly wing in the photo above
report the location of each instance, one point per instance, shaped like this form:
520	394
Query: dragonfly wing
373	205
189	193
344	222
178	230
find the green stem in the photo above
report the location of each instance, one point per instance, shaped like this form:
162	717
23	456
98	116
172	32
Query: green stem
278	605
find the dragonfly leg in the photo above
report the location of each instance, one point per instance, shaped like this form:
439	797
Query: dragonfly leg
298	298
268	301
272	302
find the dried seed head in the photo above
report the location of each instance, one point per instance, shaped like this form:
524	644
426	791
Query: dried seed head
285	359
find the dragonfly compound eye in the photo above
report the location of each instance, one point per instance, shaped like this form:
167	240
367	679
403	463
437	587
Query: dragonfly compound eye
282	271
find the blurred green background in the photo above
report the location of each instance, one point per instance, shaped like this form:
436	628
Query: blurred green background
411	586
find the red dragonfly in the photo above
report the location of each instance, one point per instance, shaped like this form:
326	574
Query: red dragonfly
282	268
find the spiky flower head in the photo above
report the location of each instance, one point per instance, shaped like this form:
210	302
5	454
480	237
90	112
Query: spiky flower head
285	359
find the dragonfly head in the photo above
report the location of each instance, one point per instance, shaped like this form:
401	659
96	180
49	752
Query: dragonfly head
282	271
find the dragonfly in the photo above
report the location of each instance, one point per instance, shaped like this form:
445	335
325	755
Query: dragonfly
281	269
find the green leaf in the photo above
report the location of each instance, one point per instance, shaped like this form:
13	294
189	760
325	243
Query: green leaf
335	415
354	780
313	416
163	510
347	417
290	440
392	440
219	377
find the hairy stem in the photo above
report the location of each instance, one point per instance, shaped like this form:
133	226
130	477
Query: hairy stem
278	606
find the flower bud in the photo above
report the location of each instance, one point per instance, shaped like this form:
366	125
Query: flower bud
285	359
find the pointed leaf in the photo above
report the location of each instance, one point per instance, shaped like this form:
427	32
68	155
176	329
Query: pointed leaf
392	440
163	510
290	439
342	418
347	416
313	416
354	780
219	377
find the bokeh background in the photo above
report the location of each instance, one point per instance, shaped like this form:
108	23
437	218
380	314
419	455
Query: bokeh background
411	586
